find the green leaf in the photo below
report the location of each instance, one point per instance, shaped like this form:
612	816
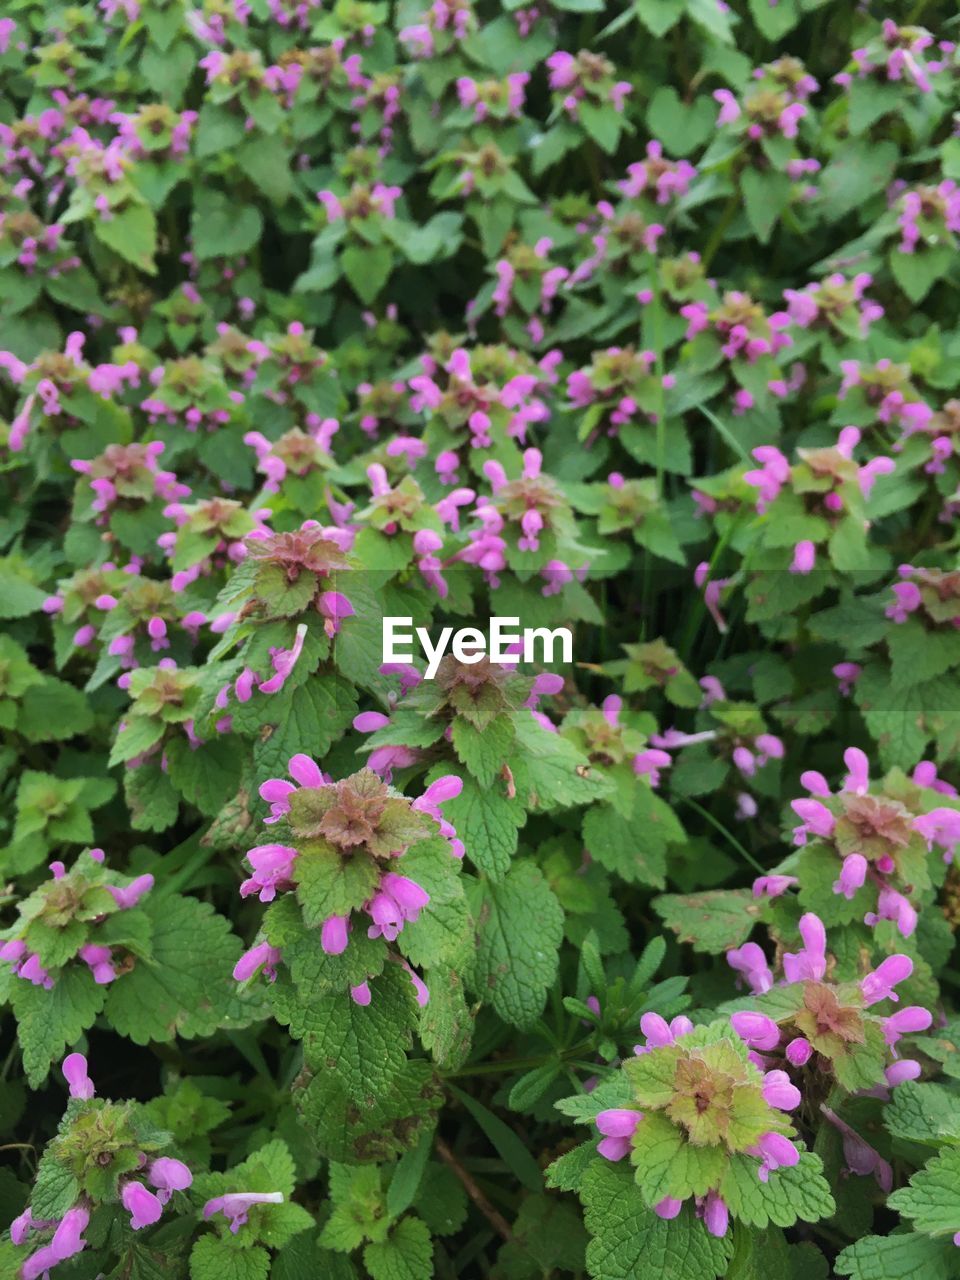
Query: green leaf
378	1126
788	1194
52	711
215	1259
151	798
222	228
363	1044
714	921
55	1190
308	718
603	123
921	1112
932	1200
407	1176
512	1151
765	196
658	16
368	268
483	752
218	130
406	1254
918	655
50	1021
185	988
628	1240
266	161
486	822
18	596
774	20
139	734
857	171
132	234
551	773
331	885
917	273
680	126
898	1257
519	931
207	775
635	847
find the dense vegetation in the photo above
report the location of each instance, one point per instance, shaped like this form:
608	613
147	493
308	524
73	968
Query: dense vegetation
641	321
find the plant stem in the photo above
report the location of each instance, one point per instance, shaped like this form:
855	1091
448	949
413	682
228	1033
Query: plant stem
493	1216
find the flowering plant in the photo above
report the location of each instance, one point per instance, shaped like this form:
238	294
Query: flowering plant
324	322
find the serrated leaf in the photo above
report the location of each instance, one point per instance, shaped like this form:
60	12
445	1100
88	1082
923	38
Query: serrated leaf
487	823
186	987
932	1200
406	1254
788	1194
214	1259
483	752
897	1257
519	931
50	1021
629	1240
713	921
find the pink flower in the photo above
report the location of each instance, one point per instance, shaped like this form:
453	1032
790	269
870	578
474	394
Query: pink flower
272	869
780	1092
168	1175
262	956
852	875
756	1030
799	1051
75	1071
715	1214
773	886
750	961
809	963
334	935
143	1206
66	1242
236	1206
776	1152
617	1126
879	984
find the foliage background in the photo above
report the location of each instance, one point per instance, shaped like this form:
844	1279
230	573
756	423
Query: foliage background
677	248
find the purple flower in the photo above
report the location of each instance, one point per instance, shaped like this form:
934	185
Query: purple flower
262	956
811	962
756	1030
131	894
776	1152
398	900
668	1207
716	1216
168	1175
879	984
618	1126
272	869
852	875
752	963
236	1205
780	1092
75	1072
66	1242
143	1206
334	935
799	1051
773	886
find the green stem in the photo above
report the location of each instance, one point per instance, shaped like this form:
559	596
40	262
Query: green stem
728	835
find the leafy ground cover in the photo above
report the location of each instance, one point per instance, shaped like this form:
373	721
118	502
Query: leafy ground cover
638	320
